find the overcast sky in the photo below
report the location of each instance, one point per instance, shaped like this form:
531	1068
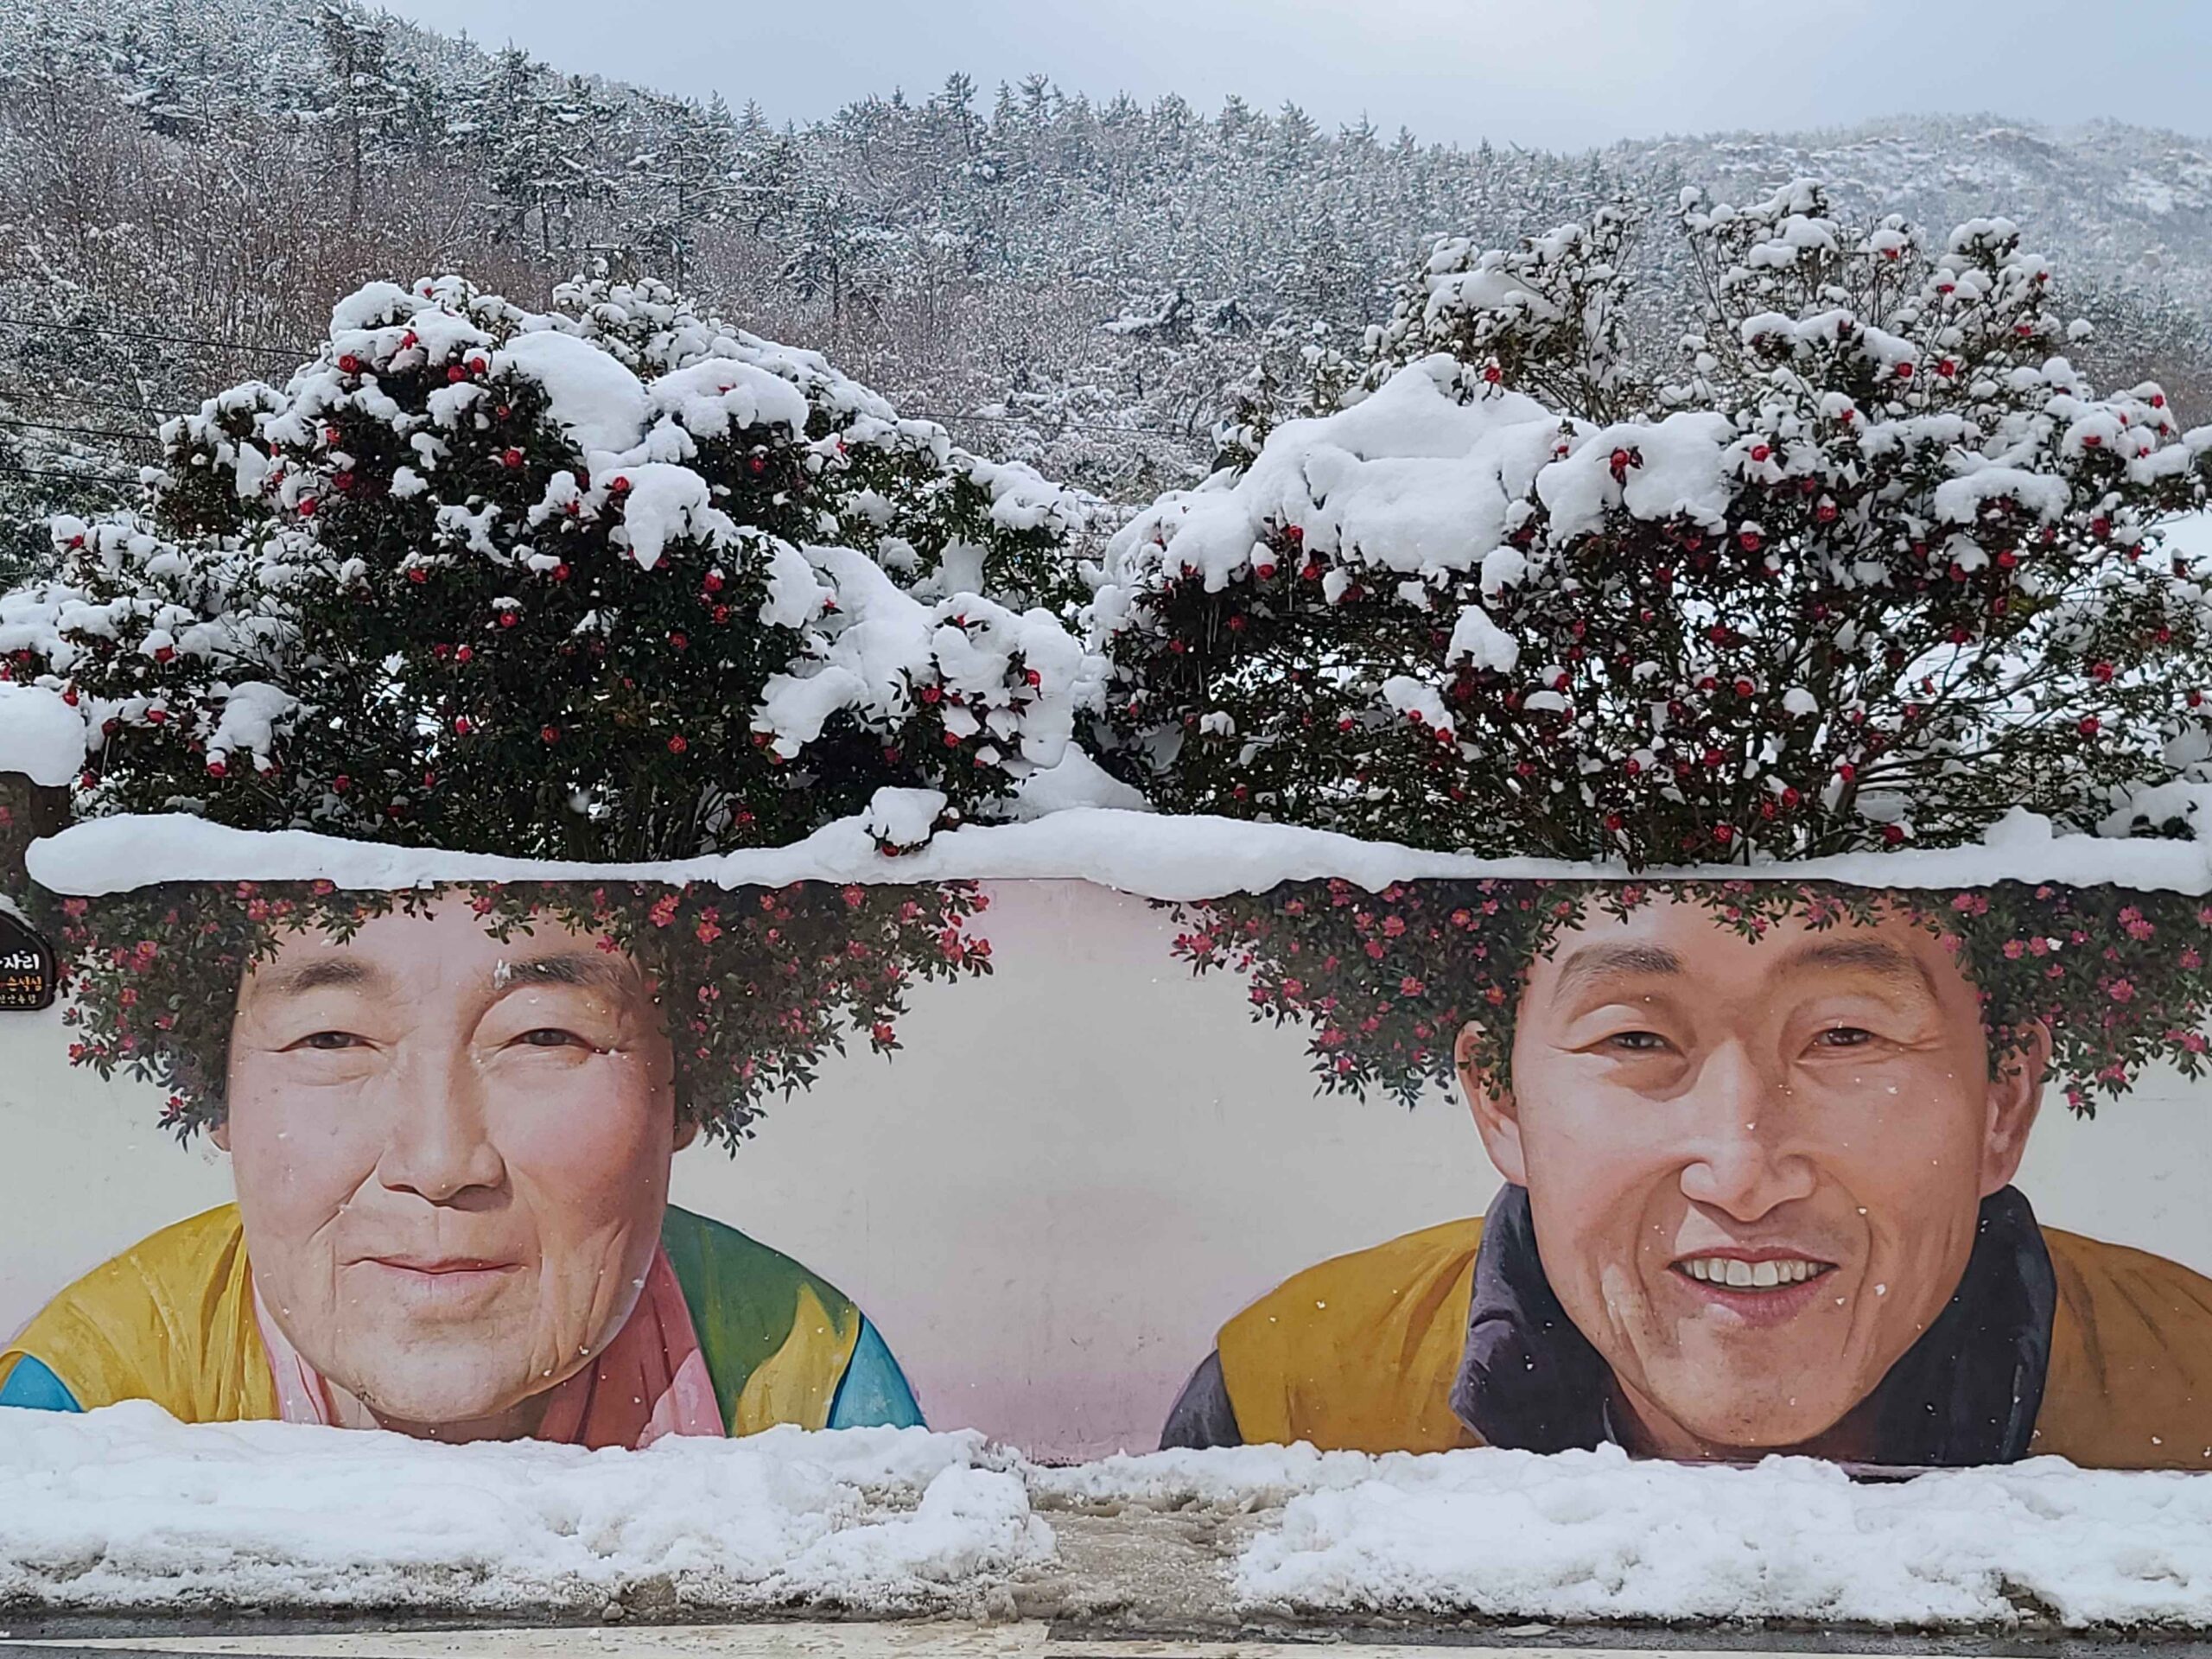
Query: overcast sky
1557	73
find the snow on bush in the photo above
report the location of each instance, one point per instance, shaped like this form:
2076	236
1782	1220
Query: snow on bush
41	736
612	580
1880	567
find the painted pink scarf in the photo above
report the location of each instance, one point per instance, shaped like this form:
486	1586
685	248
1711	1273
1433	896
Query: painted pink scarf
650	1381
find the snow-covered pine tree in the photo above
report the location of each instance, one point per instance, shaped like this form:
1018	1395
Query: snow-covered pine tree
688	178
537	138
1880	570
480	578
366	103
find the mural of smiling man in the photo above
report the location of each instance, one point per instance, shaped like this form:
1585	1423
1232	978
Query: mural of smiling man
1758	1147
450	1119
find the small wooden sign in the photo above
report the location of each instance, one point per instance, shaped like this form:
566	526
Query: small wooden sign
27	966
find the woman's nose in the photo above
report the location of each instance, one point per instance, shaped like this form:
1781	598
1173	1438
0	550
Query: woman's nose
1743	1157
437	1146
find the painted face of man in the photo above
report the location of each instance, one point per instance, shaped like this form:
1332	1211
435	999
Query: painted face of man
1754	1168
452	1160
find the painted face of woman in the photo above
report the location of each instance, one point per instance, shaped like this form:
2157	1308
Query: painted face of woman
452	1158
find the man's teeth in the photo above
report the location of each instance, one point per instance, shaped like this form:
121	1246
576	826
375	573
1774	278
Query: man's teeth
1752	1275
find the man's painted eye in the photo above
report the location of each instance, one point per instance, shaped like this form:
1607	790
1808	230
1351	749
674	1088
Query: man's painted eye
329	1040
1844	1037
1638	1042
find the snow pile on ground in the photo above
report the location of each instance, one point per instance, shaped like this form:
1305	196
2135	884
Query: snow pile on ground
1593	1535
1243	1477
1153	856
125	1507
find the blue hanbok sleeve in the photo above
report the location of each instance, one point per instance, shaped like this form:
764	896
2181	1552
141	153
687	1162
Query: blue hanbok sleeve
874	1392
31	1385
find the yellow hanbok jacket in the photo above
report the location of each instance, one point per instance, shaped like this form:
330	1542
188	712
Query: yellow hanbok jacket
172	1320
1360	1353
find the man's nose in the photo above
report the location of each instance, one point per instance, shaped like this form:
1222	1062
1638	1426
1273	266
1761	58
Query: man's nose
1744	1157
437	1147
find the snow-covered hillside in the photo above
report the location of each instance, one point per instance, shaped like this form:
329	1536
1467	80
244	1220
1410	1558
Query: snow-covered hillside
1068	277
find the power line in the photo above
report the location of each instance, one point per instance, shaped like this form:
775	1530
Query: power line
42	394
81	431
73	477
290	353
1043	423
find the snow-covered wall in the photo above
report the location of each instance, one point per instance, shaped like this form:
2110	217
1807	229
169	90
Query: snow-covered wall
1075	1170
1737	1143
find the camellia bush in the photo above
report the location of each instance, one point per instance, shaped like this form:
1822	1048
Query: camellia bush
1385	981
758	984
1875	568
612	581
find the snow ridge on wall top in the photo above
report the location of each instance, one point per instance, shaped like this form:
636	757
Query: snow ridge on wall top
1150	855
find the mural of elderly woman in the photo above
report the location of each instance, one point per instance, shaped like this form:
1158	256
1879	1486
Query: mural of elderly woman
1759	1142
450	1117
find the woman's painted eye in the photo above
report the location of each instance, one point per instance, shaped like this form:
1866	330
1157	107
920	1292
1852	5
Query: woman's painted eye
1638	1042
1844	1037
552	1037
329	1040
